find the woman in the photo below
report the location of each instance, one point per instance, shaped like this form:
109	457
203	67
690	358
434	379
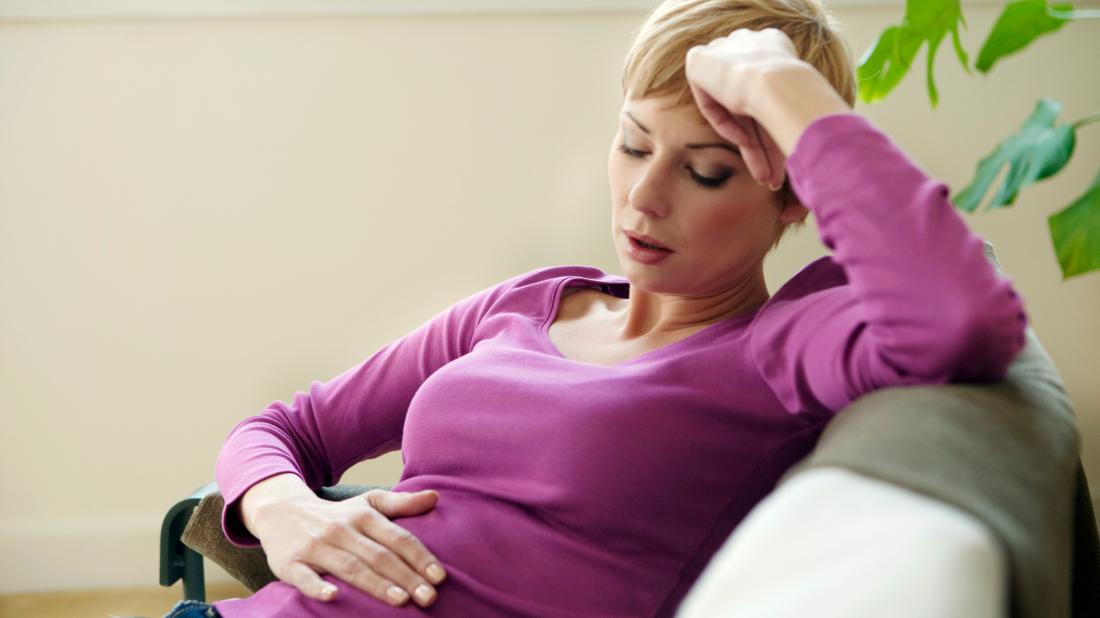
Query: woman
580	444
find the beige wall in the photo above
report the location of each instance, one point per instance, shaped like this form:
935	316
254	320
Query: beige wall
199	217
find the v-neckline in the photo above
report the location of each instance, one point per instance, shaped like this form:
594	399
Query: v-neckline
544	330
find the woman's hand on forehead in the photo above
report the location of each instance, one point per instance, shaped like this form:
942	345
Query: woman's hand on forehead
724	77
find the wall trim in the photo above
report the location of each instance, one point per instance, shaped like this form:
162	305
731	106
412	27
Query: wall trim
163	9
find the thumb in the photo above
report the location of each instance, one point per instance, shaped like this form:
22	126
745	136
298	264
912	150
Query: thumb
401	503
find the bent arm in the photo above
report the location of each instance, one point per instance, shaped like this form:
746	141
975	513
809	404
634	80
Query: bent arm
355	416
922	304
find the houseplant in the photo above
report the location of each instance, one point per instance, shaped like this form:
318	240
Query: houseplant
1039	149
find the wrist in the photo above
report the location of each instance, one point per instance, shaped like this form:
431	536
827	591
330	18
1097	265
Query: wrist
788	101
269	492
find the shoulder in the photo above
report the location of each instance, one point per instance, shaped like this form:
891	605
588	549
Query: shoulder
533	287
822	276
550	276
802	304
557	273
798	334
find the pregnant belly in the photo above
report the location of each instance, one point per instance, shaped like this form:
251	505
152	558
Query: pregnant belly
509	556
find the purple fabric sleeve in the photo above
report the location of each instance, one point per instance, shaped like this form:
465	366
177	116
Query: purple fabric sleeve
355	416
923	305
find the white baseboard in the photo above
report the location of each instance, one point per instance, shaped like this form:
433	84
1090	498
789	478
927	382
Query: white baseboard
98	555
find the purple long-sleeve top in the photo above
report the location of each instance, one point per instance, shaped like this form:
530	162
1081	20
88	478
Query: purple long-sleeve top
574	489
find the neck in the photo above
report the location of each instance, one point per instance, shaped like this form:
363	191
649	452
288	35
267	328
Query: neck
655	315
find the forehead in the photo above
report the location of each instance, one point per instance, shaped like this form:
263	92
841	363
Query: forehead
659	114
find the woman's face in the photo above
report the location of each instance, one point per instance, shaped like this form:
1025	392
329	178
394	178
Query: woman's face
675	180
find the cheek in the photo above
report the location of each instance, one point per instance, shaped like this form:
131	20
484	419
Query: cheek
616	178
727	229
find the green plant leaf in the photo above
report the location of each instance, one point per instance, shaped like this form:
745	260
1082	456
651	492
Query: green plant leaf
1039	150
1020	23
887	60
1075	232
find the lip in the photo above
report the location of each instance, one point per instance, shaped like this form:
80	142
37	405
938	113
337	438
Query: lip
647	239
640	254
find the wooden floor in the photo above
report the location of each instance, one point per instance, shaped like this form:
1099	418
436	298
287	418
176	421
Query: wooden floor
147	602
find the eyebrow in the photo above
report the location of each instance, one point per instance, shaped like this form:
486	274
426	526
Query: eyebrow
730	147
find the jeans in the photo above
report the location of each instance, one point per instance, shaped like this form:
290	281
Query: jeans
192	609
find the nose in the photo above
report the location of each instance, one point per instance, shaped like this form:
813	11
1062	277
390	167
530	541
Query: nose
649	193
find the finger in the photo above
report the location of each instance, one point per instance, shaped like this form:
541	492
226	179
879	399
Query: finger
780	177
754	150
309	582
758	159
770	175
775	154
401	504
355	571
405	544
400	540
374	544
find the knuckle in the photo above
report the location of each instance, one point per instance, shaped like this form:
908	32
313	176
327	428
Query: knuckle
310	546
370	554
331	530
283	572
369	516
352	566
403	539
381	558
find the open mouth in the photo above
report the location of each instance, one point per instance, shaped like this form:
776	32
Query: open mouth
644	245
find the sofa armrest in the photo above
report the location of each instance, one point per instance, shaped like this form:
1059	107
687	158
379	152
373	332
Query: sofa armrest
203	533
1007	453
1003	456
833	543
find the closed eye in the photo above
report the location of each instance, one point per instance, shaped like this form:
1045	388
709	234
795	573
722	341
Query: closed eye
706	181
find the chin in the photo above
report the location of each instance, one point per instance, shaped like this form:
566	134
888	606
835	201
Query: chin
648	280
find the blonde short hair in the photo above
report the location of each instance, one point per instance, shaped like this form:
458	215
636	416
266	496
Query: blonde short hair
655	62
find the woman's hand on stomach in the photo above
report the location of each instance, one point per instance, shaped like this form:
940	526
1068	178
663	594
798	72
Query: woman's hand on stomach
305	536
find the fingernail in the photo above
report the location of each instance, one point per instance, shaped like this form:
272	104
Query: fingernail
328	591
435	572
423	593
397	594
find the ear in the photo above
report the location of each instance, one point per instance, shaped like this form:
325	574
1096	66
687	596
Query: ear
793	212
